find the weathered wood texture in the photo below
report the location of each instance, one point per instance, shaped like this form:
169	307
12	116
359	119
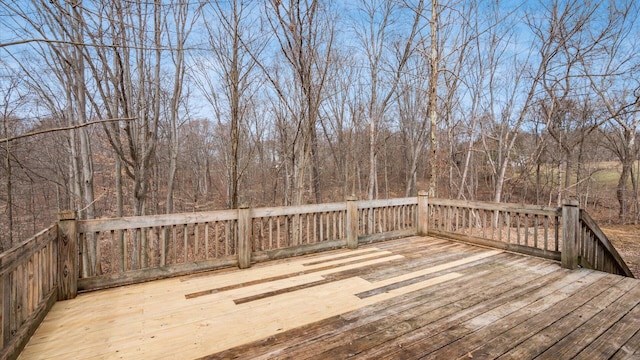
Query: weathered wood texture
377	217
28	288
134	244
570	228
138	249
531	230
595	251
417	297
67	255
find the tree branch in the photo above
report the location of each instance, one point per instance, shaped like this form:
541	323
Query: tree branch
5	140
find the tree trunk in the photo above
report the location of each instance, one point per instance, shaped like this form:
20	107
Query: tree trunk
433	97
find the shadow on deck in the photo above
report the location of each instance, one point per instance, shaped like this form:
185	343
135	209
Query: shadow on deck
415	297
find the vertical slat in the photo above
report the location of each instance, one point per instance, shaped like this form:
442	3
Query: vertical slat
5	282
15	305
196	240
36	279
270	233
7	306
465	220
263	241
308	217
206	240
484	223
217	235
557	233
518	227
546	233
143	248
592	257
499	223
526	229
174	237
185	239
164	239
535	230
21	294
315	228
122	246
493	224
114	252
227	237
278	237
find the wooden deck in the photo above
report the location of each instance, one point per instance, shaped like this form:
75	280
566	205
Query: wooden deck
418	297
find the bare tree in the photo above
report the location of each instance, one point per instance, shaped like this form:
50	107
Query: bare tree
304	30
232	43
386	57
612	67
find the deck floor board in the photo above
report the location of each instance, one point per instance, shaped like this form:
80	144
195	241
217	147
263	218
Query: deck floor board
411	298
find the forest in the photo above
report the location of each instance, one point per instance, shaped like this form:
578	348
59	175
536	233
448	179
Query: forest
119	108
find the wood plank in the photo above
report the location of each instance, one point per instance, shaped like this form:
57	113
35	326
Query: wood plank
419	299
503	318
346	256
543	338
614	338
630	350
346	342
430	338
497	338
339	263
304	341
581	337
416	276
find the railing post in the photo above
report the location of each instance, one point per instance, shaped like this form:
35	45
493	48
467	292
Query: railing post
423	213
244	236
352	222
67	255
570	233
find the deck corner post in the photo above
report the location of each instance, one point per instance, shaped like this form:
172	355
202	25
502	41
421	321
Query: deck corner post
67	255
244	236
570	233
352	222
423	213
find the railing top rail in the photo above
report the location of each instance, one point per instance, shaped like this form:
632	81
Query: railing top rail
135	222
298	210
486	205
10	258
365	204
586	219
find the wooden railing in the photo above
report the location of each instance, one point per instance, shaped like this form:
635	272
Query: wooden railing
91	254
384	219
133	249
127	250
278	232
29	284
532	230
595	251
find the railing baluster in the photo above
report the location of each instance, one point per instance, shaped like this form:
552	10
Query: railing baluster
546	233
